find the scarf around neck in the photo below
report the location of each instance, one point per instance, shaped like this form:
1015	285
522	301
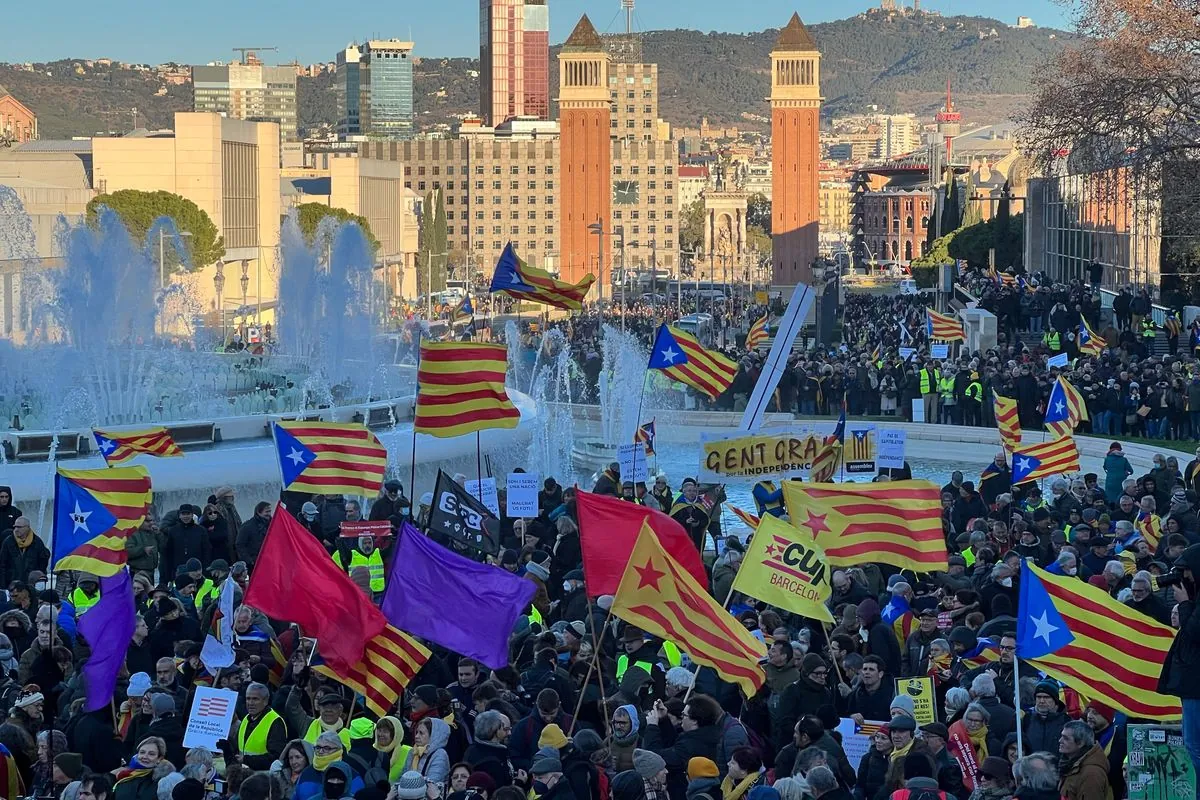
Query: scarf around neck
731	792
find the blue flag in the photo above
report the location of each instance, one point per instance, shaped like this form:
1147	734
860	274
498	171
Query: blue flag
78	517
666	352
1057	408
1041	630
294	456
507	276
108	628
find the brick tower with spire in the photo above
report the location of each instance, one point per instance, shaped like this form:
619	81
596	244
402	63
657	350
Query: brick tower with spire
796	154
585	153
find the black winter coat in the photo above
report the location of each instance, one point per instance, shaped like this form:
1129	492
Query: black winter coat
677	748
184	542
250	539
16	564
800	698
1180	675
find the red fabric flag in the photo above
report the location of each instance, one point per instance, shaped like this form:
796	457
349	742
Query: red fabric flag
295	580
608	530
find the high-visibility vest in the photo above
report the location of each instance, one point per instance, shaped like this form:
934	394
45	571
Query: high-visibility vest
208	588
946	387
82	602
256	743
974	391
1148	331
1051	340
373	563
315	730
929	380
671	651
535	615
623	664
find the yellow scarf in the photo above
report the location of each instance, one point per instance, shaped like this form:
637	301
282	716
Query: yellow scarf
23	541
322	762
902	752
731	792
979	742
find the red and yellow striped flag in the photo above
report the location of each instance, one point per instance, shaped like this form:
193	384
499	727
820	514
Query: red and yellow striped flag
1078	634
460	389
390	661
1008	421
681	357
660	597
1045	460
757	336
519	280
117	447
330	457
745	516
1150	527
123	492
944	328
898	523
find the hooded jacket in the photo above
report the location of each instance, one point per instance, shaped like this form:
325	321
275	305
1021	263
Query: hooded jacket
434	764
281	768
704	789
343	769
9	513
1180	676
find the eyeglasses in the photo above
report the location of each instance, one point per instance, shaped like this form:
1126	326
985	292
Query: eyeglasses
819	673
1008	648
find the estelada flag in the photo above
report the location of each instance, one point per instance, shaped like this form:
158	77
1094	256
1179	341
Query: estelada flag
295	580
658	595
117	447
897	523
95	511
608	530
785	568
390	661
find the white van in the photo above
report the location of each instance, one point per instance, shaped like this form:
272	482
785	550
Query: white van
909	286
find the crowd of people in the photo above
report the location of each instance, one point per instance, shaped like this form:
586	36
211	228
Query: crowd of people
647	724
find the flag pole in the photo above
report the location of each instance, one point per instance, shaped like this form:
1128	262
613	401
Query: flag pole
593	665
412	465
479	462
1017	701
836	667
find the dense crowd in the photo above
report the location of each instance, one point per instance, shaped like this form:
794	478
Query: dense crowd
648	724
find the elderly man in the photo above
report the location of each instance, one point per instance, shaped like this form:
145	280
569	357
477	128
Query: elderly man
167	677
1143	600
1082	764
1113	579
22	553
328	720
489	752
364	555
262	735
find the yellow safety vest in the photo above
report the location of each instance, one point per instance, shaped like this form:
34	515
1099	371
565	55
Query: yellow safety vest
256	743
315	730
674	657
373	563
535	615
1148	331
82	602
946	387
623	664
206	589
1050	339
974	391
929	380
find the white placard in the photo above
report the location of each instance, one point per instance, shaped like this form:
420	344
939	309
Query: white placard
918	409
907	352
1059	361
632	458
856	744
210	718
889	452
485	492
522	494
939	351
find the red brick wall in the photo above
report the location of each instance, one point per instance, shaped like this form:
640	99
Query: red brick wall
795	199
586	174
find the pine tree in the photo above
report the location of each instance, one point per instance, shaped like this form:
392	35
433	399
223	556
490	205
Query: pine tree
951	213
972	214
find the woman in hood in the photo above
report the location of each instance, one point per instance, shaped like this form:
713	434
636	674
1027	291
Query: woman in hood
15	624
8	656
8	512
336	781
624	737
296	757
390	751
428	754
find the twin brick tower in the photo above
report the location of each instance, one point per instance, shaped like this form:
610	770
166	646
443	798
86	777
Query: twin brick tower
586	150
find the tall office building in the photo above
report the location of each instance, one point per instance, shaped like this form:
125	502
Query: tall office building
514	60
796	153
349	82
249	91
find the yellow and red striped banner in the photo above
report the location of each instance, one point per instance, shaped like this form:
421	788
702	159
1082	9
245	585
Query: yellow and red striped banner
944	328
898	523
757	336
389	663
1007	420
705	371
117	447
125	492
460	389
1045	460
349	459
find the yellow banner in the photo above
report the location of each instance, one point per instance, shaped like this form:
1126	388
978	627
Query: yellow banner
921	692
786	568
759	457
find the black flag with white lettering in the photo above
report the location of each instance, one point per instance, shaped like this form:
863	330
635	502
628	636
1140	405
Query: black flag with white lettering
458	516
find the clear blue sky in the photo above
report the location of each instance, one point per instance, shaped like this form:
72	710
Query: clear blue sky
308	30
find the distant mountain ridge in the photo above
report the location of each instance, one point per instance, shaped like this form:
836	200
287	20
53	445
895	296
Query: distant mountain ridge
897	62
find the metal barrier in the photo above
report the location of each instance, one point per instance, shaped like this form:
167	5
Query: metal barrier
1157	313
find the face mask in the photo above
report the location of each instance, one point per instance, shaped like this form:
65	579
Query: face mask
1071	571
1006	582
567	586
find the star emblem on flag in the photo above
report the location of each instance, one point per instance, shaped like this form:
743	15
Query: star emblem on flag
667	351
80	518
816	523
106	445
669	355
771	551
649	576
1041	629
294	455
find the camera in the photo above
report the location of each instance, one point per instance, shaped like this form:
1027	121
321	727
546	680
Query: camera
1171	578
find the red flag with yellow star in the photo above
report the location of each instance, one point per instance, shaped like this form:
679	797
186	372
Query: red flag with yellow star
659	596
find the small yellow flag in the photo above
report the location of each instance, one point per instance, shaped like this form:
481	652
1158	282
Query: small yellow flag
786	568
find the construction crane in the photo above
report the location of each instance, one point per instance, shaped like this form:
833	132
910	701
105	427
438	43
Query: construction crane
249	50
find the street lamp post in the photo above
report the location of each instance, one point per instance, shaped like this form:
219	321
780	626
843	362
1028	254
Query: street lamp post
597	228
245	283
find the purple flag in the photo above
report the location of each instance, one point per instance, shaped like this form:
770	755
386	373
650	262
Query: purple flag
460	604
108	628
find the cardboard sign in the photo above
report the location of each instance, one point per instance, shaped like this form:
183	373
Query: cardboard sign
756	457
1059	361
210	718
522	494
354	529
939	351
858	451
485	492
1159	766
856	739
921	692
918	409
890	447
632	458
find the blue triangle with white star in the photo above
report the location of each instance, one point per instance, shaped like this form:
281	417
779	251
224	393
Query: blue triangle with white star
105	445
1041	630
78	517
294	456
1022	466
508	273
666	352
1057	409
